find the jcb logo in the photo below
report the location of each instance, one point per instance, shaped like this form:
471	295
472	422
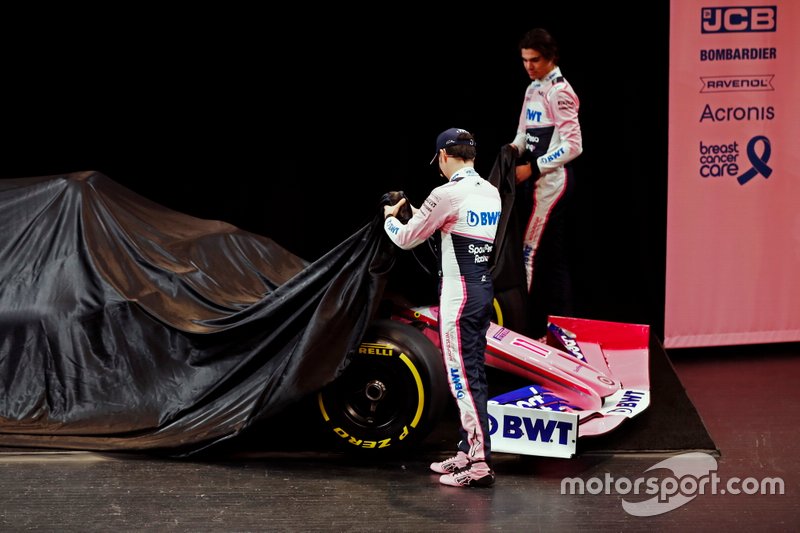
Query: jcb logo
739	19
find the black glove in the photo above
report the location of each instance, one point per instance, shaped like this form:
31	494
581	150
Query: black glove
404	214
527	159
524	158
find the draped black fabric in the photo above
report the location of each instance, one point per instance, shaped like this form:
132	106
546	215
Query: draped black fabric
508	271
125	325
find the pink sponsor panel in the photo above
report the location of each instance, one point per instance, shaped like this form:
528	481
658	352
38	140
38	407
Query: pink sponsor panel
733	214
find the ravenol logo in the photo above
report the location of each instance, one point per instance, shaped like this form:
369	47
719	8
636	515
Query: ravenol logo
484	218
738	19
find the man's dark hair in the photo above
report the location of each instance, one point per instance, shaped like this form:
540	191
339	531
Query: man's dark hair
462	151
540	40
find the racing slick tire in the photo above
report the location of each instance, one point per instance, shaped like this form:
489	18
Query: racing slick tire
391	395
509	309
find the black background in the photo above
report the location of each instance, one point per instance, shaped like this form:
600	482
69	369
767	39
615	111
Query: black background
293	125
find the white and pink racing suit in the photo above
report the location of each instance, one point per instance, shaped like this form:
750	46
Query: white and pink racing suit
466	211
549	136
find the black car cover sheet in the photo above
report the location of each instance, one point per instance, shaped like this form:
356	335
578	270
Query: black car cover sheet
125	325
507	264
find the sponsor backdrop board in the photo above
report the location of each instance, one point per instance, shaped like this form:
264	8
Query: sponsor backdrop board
733	215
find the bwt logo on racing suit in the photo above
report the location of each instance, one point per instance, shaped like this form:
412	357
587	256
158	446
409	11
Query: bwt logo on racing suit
552	157
484	218
458	386
738	19
533	116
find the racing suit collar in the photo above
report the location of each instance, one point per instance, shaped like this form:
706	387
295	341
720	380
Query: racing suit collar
553	74
463	172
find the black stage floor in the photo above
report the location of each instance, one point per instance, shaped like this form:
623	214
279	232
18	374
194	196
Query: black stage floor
745	400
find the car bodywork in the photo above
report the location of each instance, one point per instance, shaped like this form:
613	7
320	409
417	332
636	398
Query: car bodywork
573	392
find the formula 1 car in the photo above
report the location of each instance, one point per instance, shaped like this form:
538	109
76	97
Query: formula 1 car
130	326
586	380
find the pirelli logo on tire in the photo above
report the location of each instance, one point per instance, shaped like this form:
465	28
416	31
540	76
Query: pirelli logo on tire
369	348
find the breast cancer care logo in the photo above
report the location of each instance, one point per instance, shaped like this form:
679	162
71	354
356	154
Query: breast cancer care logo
723	160
759	162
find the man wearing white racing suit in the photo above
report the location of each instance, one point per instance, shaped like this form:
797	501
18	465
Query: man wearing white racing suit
466	211
548	138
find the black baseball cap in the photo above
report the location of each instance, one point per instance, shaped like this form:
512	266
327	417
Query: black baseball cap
449	137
